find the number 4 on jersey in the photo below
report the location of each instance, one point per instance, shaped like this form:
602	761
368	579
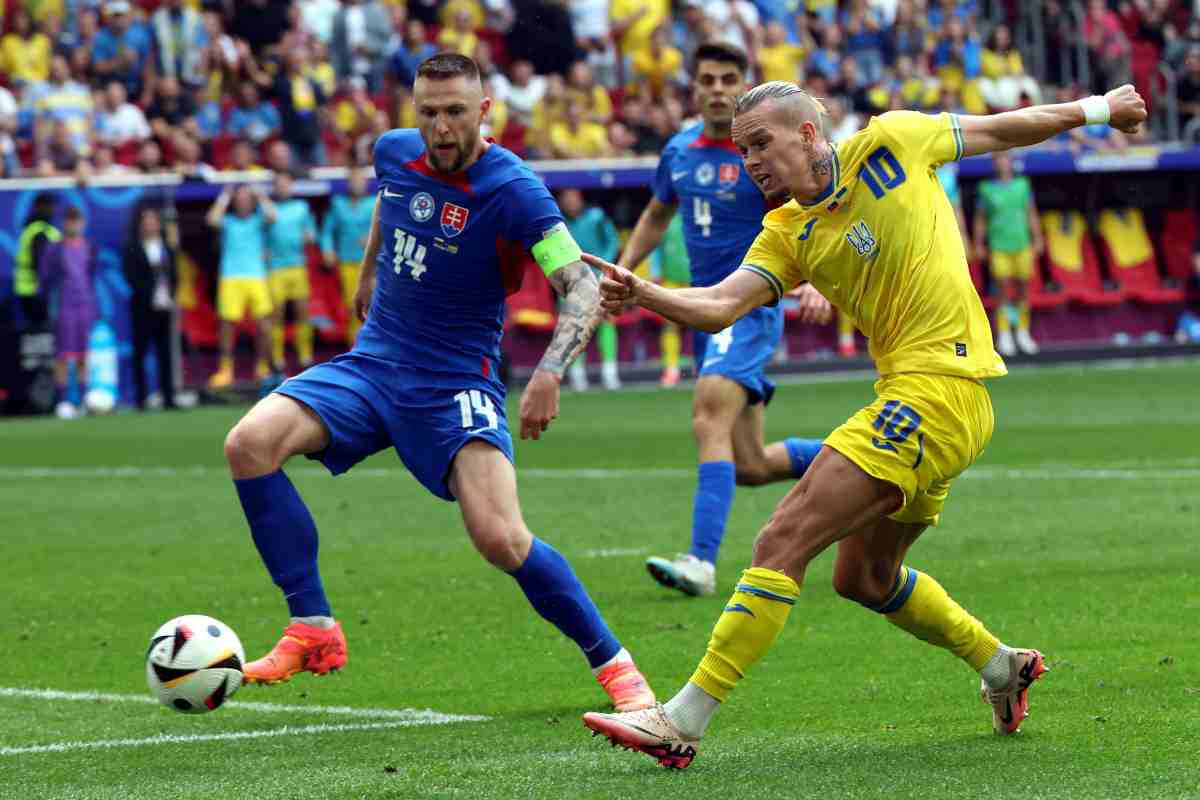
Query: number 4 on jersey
702	216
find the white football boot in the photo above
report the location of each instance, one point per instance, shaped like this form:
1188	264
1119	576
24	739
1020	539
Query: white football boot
688	574
609	377
648	731
1005	345
577	375
1025	343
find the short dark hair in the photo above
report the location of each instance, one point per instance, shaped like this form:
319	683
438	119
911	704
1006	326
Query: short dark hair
444	66
722	53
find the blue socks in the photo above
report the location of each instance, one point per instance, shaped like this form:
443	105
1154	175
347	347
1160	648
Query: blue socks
555	593
286	538
801	452
714	498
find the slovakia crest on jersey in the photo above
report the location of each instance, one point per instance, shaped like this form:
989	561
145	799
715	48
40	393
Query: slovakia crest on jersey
454	219
728	175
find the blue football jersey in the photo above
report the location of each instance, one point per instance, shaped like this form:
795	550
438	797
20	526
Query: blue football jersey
722	207
452	247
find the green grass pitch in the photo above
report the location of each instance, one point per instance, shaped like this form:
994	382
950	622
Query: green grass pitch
1076	533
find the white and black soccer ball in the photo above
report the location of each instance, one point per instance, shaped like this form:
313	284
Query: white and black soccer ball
99	401
194	664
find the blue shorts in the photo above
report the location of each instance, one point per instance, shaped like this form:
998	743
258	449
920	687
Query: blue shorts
367	404
742	351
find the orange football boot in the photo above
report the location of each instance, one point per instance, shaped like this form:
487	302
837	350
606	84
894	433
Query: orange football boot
303	648
626	686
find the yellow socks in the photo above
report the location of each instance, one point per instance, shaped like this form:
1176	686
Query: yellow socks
746	630
920	605
669	343
1003	318
226	364
1023	315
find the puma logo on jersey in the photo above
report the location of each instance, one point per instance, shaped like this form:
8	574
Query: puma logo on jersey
861	238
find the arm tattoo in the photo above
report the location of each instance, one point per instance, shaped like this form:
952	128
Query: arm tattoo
578	317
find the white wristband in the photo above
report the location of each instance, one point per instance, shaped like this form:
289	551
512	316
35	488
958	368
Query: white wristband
1095	110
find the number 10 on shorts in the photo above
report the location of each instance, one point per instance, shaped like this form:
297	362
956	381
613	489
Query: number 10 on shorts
474	402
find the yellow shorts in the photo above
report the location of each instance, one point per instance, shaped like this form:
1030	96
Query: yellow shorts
237	295
349	273
288	283
921	433
1017	265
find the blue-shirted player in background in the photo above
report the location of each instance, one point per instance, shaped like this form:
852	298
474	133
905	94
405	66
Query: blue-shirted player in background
452	220
700	174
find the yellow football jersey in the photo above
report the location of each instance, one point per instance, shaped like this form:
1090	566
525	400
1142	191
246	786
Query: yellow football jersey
883	245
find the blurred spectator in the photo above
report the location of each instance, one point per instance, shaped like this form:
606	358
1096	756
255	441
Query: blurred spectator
459	36
842	123
1004	82
364	146
148	262
544	36
1175	47
825	11
189	163
575	136
344	234
260	22
242	287
279	157
117	120
606	63
300	101
321	70
61	99
83	42
525	90
549	111
206	123
827	59
361	30
8	128
171	107
66	272
621	140
1108	47
104	164
633	22
244	158
691	28
404	60
909	34
123	51
287	273
865	38
957	57
595	233
59	154
149	158
779	59
1188	88
656	66
945	10
589	19
863	98
220	58
656	130
179	39
252	118
353	111
737	22
25	52
594	100
317	17
37	235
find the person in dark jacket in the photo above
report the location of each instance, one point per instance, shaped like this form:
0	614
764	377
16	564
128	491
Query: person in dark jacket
148	261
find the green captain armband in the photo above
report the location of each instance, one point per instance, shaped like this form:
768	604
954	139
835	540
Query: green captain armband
556	249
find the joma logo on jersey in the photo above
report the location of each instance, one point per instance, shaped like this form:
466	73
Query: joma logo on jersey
860	238
454	219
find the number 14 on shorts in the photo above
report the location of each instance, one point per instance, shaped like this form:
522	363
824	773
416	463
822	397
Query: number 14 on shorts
474	403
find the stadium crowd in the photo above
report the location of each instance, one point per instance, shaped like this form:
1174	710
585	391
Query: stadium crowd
91	87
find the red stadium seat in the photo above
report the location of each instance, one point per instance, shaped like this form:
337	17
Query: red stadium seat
532	306
1177	242
221	150
1131	257
1041	296
1073	262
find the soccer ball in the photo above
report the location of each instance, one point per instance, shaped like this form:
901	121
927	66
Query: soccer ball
194	664
99	401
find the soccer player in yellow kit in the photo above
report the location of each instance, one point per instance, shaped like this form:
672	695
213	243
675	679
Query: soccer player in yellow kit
871	229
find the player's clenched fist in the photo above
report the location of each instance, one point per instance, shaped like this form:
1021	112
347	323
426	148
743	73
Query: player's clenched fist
813	307
618	287
1126	108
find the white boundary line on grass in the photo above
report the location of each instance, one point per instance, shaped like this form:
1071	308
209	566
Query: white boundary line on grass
396	718
986	473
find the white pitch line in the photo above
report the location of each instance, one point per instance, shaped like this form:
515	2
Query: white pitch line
614	552
989	472
168	738
413	715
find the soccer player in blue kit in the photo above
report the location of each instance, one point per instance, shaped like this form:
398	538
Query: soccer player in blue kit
452	217
700	174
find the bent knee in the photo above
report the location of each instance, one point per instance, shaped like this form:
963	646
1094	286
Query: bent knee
862	585
755	474
503	545
250	451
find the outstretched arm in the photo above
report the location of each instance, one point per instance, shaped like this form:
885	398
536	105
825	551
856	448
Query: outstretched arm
709	308
1122	108
579	314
